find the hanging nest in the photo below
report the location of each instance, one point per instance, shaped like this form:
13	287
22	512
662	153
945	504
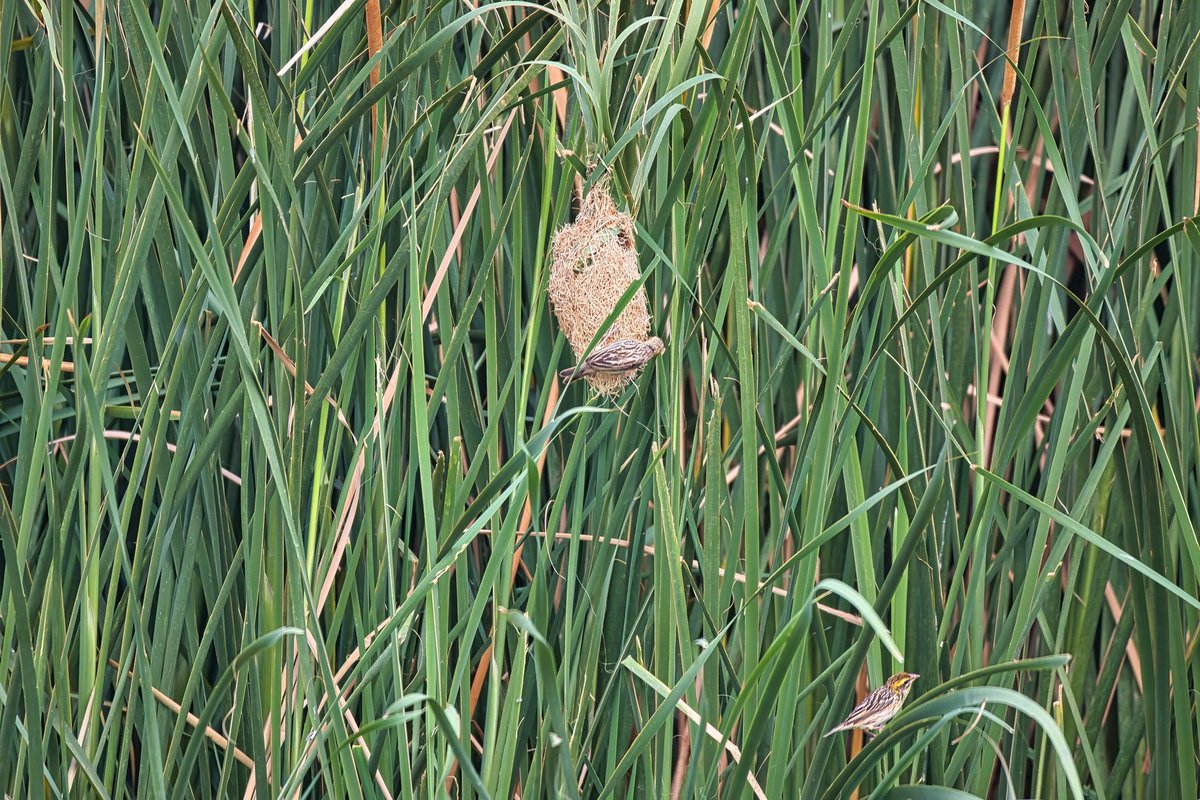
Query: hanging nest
593	262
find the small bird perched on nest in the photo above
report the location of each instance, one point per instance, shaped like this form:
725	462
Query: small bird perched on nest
879	706
625	355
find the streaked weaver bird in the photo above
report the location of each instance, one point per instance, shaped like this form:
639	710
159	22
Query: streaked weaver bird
624	355
879	706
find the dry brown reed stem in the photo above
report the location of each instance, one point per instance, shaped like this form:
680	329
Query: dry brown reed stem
684	749
47	364
209	733
1196	194
1013	53
999	342
290	365
730	749
463	220
374	22
125	436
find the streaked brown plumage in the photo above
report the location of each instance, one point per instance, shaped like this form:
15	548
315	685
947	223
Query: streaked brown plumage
624	355
879	706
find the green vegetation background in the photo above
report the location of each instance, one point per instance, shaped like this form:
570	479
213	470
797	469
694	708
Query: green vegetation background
293	503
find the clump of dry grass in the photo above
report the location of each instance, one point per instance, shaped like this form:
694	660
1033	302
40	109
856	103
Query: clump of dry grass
593	262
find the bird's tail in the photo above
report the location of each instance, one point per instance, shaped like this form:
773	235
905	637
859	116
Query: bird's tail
835	729
569	374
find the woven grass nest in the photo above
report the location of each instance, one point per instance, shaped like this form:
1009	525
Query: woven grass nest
593	262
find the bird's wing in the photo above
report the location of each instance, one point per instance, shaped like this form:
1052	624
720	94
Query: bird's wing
617	357
871	705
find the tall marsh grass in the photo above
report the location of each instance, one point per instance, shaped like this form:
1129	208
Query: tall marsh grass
293	503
